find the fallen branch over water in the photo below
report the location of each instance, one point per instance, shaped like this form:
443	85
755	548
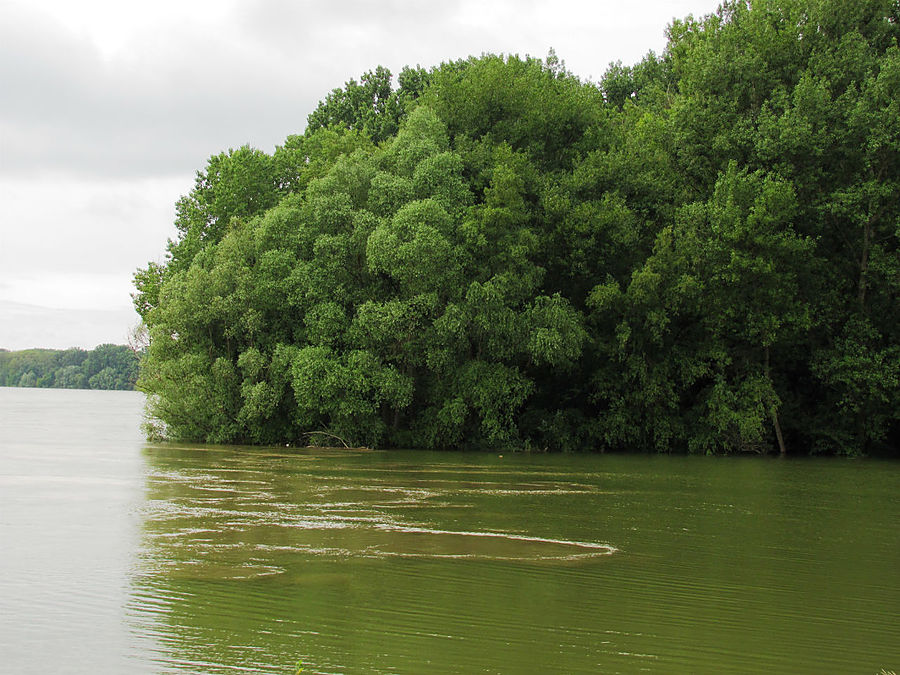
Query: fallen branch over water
335	437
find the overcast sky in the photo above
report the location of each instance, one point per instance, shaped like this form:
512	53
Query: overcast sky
107	108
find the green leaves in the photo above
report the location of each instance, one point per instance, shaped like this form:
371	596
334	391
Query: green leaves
346	392
556	333
104	367
700	254
697	320
369	106
413	250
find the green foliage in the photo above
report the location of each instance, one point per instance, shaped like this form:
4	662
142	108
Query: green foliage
698	254
370	106
105	367
537	108
694	328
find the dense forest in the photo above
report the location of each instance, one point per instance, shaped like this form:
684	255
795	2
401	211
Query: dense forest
104	367
699	253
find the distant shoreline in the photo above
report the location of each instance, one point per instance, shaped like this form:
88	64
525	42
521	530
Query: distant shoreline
106	367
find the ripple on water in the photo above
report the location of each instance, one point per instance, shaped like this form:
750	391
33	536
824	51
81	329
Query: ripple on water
361	537
424	542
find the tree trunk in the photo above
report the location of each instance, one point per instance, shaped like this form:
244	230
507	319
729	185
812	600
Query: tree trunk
781	447
864	266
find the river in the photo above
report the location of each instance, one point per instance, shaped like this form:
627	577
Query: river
119	556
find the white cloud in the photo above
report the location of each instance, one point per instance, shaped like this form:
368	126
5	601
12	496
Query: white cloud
108	89
65	226
69	291
24	326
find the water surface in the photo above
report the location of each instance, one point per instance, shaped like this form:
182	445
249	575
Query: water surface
119	556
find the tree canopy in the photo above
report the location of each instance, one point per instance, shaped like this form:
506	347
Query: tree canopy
699	253
106	366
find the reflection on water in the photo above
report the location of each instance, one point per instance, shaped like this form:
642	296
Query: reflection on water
356	562
116	556
228	514
403	562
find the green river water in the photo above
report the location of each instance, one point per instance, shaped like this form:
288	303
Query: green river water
118	556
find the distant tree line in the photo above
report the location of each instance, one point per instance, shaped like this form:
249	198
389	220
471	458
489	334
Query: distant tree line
107	366
699	253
